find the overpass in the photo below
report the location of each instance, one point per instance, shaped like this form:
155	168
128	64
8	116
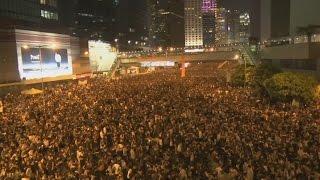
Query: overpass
232	52
241	52
186	57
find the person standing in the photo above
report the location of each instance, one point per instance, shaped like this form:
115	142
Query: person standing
1	107
57	57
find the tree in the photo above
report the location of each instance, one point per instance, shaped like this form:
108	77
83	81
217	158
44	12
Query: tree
289	86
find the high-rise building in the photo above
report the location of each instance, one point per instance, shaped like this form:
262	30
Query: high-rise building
53	15
245	27
93	19
49	10
208	21
167	23
221	26
193	23
23	10
232	26
282	18
132	22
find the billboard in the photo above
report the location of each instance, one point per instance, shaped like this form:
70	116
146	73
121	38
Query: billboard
101	56
158	64
45	62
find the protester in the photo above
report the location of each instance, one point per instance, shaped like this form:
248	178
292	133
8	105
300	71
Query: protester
157	126
1	107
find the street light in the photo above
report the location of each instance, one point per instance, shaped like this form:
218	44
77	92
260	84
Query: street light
52	46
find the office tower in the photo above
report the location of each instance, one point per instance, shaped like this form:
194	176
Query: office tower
221	26
167	23
49	10
52	15
193	23
132	22
233	26
28	11
283	18
93	19
245	27
208	21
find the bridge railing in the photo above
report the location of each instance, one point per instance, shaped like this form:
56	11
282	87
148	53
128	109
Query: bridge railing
180	51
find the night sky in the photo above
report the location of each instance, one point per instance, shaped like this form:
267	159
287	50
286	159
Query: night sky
253	6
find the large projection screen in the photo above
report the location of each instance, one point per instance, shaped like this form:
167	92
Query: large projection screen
52	63
101	56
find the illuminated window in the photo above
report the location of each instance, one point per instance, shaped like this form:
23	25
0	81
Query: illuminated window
52	3
49	15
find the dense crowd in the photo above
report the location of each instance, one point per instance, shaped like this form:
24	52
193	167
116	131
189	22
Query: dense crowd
157	126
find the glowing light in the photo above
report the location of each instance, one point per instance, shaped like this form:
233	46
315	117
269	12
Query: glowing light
208	5
160	49
86	53
236	57
25	47
53	46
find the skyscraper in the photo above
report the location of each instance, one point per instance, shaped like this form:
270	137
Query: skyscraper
208	21
93	19
167	23
132	22
49	10
28	11
193	23
232	26
220	26
245	27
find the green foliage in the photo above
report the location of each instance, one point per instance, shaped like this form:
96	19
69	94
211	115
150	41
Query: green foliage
240	78
263	72
318	92
288	86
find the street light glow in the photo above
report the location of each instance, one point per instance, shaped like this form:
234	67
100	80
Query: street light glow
53	46
25	47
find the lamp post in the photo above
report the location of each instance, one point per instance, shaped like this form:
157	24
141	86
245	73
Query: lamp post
53	46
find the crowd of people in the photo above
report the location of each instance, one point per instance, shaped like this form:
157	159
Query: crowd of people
157	126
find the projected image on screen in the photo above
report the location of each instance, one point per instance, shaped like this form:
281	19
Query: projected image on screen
52	63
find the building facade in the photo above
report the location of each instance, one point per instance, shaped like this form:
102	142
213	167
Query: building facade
208	21
245	27
283	18
167	23
221	26
94	19
232	26
22	10
283	45
193	23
